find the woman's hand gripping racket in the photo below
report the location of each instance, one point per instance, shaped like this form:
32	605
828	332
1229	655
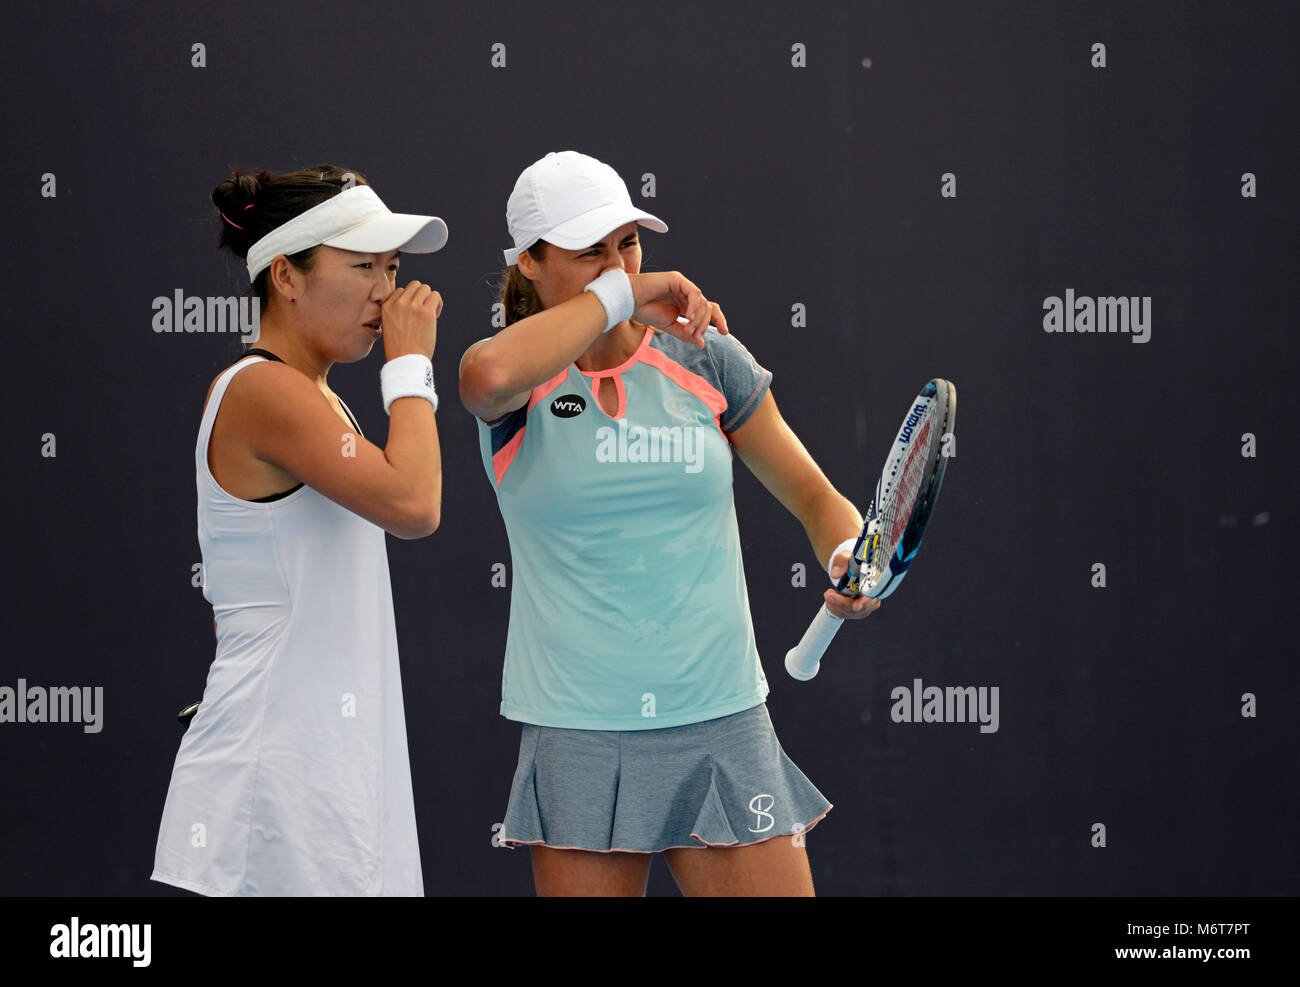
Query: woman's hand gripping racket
906	493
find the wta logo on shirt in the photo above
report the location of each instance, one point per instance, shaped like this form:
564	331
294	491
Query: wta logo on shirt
568	406
657	444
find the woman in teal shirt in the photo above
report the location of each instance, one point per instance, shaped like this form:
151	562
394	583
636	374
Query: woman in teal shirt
607	428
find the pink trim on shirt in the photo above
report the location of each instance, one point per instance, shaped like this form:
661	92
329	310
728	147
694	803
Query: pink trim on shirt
713	399
637	354
619	389
542	390
597	377
504	456
687	381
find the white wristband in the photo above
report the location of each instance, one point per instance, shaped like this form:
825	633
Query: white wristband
614	289
844	546
409	376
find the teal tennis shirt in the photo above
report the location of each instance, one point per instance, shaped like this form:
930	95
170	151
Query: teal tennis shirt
628	606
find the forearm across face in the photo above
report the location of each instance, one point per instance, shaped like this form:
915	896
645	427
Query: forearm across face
527	353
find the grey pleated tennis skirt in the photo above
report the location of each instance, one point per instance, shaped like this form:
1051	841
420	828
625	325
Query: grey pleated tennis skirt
720	783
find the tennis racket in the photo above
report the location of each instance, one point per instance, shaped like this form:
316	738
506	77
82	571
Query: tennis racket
906	493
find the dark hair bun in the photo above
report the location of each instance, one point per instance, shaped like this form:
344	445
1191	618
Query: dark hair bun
252	205
233	197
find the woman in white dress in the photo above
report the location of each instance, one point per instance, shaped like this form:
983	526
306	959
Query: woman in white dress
293	777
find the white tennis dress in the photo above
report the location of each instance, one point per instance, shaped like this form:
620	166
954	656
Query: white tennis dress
293	777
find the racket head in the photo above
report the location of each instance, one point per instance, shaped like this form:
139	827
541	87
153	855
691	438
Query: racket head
905	495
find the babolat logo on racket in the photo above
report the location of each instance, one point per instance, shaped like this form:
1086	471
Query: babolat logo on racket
568	406
905	436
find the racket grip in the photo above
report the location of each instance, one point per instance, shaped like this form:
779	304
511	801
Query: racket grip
805	658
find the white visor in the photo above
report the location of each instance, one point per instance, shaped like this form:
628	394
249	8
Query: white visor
355	219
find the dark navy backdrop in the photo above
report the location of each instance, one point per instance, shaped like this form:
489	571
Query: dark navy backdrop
818	185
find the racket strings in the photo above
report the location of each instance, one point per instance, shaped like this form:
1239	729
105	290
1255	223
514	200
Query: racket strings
902	496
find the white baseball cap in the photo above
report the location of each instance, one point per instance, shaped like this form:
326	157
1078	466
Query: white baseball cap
572	201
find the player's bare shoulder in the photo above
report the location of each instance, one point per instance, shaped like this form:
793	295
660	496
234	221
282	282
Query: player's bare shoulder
263	393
